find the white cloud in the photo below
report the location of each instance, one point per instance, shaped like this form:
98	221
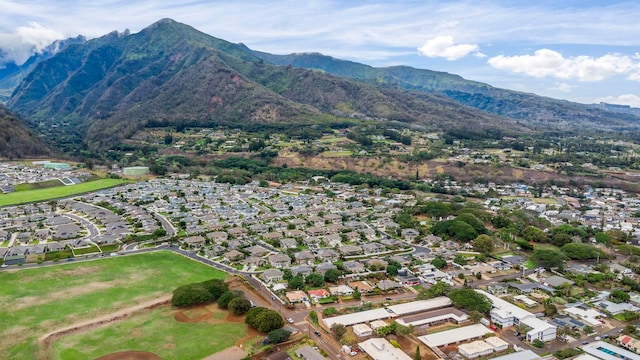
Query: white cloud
626	99
549	63
25	41
443	46
562	87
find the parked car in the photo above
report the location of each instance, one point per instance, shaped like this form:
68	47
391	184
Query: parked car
290	320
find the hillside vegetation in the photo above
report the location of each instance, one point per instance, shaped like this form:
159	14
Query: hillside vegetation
16	141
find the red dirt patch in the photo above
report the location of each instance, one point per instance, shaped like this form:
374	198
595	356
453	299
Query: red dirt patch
130	355
192	315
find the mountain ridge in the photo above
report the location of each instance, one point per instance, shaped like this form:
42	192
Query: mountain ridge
170	74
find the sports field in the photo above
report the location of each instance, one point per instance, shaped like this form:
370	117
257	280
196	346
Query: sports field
156	331
39	301
29	196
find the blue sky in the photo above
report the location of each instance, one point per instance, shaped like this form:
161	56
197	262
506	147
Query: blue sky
584	51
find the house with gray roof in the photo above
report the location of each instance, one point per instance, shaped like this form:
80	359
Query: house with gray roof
303	270
304	257
353	266
279	260
324	267
272	275
349	250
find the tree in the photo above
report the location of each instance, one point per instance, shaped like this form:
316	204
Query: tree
469	299
483	244
315	280
475	316
252	315
417	355
550	258
439	262
629	329
268	321
357	294
338	330
225	299
279	335
538	343
392	270
296	282
438	289
578	251
532	233
239	305
191	294
158	169
619	296
332	275
550	309
587	330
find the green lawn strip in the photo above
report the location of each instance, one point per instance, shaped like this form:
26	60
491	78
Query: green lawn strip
23	197
39	185
157	332
43	299
86	250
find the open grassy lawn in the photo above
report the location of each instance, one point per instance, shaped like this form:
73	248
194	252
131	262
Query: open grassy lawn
34	302
157	332
28	196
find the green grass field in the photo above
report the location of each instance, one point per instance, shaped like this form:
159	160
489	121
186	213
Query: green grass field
28	196
34	302
157	332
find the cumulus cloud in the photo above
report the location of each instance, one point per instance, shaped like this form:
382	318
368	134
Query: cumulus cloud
563	87
626	99
443	46
549	63
18	46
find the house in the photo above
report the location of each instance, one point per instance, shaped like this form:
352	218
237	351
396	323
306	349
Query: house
303	270
257	250
318	294
614	308
372	248
362	286
629	343
350	250
341	290
387	284
234	255
353	266
328	255
324	267
288	243
362	330
296	296
279	260
56	246
272	275
195	242
410	234
376	264
254	261
218	236
304	257
497	289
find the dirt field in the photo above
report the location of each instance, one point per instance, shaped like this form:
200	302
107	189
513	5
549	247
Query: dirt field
131	355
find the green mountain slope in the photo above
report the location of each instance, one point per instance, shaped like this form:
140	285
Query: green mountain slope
170	74
537	111
16	141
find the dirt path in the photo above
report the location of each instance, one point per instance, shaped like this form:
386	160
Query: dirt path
46	340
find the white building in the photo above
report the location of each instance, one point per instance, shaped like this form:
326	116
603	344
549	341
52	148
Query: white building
381	349
475	349
362	330
455	336
507	314
497	344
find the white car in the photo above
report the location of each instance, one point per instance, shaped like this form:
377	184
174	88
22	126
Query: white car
290	320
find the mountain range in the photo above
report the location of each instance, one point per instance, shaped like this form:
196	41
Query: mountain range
17	141
102	91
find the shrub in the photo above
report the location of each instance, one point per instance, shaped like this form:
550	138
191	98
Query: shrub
191	294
